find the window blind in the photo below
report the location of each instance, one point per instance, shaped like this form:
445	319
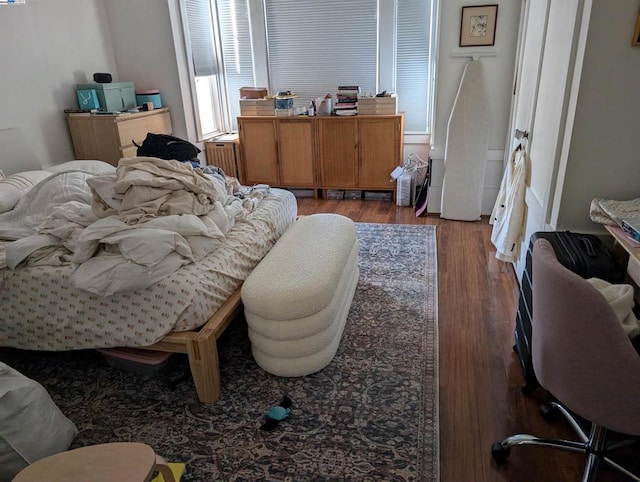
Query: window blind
198	13
237	58
314	47
413	61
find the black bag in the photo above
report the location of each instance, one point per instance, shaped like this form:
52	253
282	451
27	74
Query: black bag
167	147
586	255
422	198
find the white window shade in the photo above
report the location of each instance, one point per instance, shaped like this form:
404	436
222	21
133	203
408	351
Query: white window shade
237	58
200	29
413	62
316	46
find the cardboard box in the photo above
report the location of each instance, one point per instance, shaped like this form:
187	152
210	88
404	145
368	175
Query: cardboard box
387	105
259	107
334	194
252	92
389	100
377	111
353	195
377	196
257	111
258	103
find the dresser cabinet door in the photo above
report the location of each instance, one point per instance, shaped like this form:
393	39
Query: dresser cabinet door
296	146
380	148
259	150
338	152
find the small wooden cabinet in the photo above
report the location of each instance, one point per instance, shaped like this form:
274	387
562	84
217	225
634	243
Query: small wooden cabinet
224	151
331	152
277	151
110	137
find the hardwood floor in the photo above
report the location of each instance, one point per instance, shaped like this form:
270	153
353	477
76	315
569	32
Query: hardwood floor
480	376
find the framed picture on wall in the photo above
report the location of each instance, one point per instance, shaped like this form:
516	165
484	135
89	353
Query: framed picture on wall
478	25
636	34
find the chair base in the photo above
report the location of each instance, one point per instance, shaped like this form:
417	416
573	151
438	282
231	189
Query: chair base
593	445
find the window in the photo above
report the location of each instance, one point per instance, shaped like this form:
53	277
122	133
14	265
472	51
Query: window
199	33
311	48
413	63
235	37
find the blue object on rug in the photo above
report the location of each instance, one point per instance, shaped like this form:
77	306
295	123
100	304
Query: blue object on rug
277	414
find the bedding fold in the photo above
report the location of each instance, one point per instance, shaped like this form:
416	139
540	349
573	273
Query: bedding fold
134	226
43	310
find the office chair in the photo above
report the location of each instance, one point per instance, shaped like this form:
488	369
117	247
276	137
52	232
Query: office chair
582	356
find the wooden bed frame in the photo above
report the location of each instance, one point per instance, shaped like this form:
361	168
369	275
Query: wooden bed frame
202	349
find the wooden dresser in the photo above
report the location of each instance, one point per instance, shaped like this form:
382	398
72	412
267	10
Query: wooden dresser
322	152
110	137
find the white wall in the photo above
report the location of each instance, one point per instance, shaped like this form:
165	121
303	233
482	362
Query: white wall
47	48
144	50
498	70
603	161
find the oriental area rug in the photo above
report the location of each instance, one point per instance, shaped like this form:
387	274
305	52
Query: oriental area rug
371	414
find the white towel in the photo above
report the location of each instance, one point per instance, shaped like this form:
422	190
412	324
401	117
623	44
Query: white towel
620	297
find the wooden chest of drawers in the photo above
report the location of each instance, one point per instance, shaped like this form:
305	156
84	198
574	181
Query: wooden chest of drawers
110	137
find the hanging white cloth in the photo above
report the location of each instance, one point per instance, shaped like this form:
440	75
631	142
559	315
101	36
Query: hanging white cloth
465	155
508	216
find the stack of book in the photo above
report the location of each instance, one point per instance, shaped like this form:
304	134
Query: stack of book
346	100
631	226
386	104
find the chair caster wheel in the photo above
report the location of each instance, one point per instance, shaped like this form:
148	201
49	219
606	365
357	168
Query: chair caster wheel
500	453
548	412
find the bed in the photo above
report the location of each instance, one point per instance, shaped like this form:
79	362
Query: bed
186	311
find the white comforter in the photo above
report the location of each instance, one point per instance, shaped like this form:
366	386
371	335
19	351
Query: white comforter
122	230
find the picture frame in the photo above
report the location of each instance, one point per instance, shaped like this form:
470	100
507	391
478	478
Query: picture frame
478	25
636	33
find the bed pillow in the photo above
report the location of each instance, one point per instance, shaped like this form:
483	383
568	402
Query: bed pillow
92	166
12	188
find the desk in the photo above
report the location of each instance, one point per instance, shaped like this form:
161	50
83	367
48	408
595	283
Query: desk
631	248
125	461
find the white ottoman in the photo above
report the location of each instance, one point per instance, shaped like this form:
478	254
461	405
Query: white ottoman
297	299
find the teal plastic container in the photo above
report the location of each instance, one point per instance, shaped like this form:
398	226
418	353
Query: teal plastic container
149	96
114	96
